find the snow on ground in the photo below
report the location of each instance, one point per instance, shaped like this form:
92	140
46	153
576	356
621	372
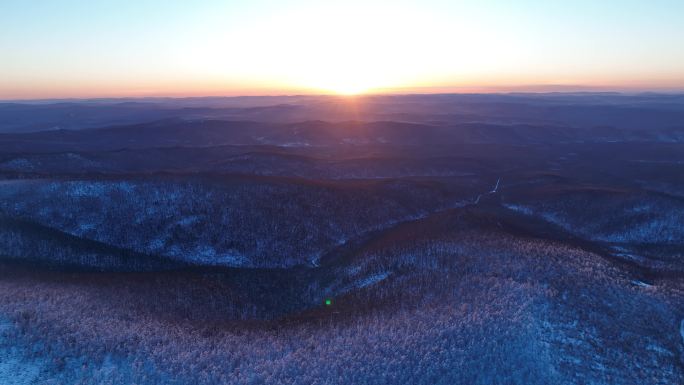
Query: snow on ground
519	208
636	282
206	254
373	279
365	281
18	164
18	367
15	368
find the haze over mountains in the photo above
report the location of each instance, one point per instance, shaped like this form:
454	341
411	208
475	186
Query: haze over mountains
459	239
564	109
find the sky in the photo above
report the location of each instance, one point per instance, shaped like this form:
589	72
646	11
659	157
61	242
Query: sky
101	48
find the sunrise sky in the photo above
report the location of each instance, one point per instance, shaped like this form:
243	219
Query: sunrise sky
54	49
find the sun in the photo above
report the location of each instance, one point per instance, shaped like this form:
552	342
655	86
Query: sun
348	89
342	79
337	49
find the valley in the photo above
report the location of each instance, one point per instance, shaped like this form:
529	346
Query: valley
479	239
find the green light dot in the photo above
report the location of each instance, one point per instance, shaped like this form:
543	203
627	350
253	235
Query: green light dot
328	302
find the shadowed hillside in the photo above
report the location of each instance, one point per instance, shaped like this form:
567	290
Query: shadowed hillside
420	239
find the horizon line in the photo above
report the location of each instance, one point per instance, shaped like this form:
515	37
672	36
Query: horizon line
646	91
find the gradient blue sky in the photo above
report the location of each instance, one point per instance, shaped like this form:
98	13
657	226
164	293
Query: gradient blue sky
143	48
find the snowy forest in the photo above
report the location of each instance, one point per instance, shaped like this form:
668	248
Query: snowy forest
431	239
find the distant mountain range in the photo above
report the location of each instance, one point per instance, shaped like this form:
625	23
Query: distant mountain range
583	110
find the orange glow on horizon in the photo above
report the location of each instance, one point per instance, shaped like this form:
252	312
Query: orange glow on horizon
347	91
350	47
